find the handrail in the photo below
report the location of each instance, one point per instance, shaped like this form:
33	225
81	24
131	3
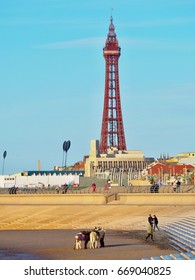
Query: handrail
85	190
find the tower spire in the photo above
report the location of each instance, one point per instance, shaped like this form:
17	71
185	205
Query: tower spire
112	133
111	35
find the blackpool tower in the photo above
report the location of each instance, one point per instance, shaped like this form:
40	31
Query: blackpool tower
112	132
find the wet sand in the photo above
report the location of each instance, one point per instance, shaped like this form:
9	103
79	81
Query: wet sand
58	245
29	232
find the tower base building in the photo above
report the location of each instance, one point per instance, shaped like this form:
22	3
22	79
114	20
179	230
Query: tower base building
114	159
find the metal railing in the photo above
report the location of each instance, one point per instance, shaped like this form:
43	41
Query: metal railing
87	190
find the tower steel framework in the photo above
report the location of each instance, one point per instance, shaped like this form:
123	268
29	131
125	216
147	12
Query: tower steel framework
112	132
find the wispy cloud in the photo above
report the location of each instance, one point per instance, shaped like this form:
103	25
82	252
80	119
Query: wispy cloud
158	44
89	42
35	21
130	42
160	22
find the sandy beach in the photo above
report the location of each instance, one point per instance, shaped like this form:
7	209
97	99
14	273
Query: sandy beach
47	232
58	245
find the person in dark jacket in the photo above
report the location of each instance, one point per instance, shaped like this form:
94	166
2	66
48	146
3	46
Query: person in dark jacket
155	222
150	219
178	184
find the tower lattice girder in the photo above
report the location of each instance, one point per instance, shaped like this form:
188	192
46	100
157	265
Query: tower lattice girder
112	133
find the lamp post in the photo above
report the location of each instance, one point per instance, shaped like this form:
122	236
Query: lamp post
162	175
66	147
4	156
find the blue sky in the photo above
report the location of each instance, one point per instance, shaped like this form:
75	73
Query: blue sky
52	77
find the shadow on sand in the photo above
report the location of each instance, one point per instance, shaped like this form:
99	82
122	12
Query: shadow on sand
116	245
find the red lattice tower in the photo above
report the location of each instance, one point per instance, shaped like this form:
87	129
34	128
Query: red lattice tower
112	133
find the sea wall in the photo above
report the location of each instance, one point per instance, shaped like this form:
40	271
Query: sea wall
157	199
101	199
58	199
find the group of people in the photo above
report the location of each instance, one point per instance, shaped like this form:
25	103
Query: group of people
92	237
152	226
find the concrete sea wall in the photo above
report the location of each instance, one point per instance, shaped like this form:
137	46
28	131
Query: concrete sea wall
101	199
157	199
51	199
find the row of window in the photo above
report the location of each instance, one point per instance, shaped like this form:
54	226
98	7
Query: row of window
122	164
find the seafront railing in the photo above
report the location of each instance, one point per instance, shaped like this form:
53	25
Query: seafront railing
85	190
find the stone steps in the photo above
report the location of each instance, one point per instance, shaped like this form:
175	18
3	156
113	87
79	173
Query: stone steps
182	238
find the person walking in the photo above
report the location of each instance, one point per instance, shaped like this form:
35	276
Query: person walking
149	232
150	219
155	222
174	186
107	186
178	184
93	187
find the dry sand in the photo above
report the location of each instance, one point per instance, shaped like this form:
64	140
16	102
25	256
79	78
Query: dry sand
47	232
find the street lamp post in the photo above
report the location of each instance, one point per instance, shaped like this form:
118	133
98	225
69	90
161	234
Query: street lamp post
66	147
4	156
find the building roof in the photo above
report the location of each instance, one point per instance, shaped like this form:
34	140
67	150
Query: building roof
53	172
173	168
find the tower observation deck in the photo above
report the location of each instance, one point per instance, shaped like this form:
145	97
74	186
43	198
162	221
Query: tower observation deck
112	132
